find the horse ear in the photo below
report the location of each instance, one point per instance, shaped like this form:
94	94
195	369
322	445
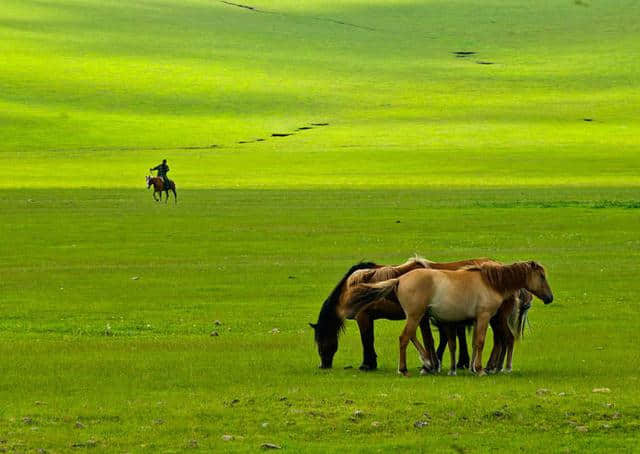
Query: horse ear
313	325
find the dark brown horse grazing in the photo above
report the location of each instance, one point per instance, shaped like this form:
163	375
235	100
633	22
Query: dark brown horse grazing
334	310
474	292
158	187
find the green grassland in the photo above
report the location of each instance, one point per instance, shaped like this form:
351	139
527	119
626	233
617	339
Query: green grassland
108	299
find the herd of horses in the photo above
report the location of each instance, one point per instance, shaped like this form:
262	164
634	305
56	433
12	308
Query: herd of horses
452	296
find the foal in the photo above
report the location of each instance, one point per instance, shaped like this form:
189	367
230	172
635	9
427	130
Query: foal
476	292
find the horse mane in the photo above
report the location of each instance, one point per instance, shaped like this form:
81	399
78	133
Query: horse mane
329	323
421	260
503	278
383	273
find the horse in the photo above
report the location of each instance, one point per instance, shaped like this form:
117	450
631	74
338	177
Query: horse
335	309
504	339
158	187
474	292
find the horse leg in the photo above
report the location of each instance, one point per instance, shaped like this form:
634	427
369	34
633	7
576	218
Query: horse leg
496	351
427	337
451	340
369	357
166	192
155	197
175	195
479	334
408	334
510	344
463	360
442	344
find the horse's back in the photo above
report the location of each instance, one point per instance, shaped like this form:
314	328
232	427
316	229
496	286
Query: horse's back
450	295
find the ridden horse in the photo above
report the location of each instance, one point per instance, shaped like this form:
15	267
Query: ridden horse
335	309
158	187
475	292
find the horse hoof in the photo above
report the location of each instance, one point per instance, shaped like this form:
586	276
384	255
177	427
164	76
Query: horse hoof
507	370
452	373
368	367
404	373
426	371
481	373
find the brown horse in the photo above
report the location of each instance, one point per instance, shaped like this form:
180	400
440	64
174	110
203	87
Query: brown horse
158	187
508	325
476	292
336	309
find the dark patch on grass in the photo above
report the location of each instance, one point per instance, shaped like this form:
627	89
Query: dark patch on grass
320	124
251	8
628	204
485	63
260	140
463	53
324	19
304	128
587	119
348	24
596	204
281	134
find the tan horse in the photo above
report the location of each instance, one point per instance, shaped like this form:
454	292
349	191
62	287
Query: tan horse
158	187
476	292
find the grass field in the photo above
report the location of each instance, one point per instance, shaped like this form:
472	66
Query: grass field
107	299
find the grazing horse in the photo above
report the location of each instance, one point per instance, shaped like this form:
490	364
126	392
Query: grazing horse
474	292
158	187
335	309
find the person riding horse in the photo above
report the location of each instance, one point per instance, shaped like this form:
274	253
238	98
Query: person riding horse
162	169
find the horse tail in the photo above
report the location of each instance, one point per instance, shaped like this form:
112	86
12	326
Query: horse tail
518	317
363	294
173	189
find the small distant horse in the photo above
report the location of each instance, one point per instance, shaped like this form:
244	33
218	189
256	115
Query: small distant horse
476	292
158	187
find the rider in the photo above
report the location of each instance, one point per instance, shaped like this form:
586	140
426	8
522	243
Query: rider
162	172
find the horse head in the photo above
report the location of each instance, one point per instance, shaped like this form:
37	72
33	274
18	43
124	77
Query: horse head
149	182
327	343
537	282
